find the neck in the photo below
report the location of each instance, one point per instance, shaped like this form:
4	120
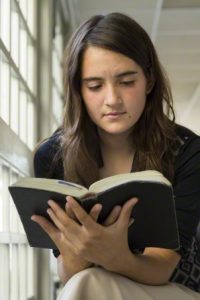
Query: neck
117	154
114	144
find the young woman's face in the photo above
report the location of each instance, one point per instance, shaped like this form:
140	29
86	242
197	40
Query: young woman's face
113	89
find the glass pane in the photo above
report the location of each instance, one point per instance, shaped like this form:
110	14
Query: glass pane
1	200
23	6
14	217
4	88
23	116
31	68
58	45
32	16
5	22
14	108
23	52
23	272
31	125
5	195
30	270
14	273
15	35
4	280
58	36
57	105
54	60
57	71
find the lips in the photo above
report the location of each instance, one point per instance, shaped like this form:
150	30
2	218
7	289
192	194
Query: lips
114	113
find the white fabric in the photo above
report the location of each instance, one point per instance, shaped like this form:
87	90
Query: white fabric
99	284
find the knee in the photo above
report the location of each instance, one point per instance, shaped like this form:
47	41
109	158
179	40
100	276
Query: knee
83	285
88	275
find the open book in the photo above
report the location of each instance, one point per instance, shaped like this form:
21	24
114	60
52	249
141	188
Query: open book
155	223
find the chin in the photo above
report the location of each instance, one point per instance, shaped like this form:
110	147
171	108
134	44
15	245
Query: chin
117	131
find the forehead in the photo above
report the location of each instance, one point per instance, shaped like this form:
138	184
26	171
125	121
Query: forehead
97	60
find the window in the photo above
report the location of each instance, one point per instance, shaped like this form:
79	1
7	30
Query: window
22	94
18	66
18	43
57	87
16	257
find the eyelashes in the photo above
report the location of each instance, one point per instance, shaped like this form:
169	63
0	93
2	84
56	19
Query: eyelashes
122	83
94	88
130	82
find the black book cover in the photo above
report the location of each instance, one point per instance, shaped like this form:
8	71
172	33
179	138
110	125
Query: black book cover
155	223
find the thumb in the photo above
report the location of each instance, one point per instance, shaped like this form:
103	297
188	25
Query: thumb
125	214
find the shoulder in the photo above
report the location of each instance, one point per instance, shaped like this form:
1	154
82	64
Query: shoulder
187	163
45	154
189	149
49	146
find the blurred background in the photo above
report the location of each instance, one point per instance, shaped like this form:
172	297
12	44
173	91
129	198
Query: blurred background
33	34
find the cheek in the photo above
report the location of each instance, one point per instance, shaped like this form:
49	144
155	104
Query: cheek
93	106
136	103
91	101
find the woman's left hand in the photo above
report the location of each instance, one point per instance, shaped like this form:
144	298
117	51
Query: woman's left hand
102	245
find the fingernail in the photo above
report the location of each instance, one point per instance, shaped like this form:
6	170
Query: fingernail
131	221
98	206
48	211
117	208
50	202
70	202
69	198
135	200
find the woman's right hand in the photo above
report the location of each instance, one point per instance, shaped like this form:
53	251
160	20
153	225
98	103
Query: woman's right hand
68	262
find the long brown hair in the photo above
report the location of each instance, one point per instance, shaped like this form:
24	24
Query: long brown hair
154	133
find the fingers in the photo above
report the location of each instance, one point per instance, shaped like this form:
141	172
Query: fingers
61	219
113	216
95	211
82	216
58	212
69	211
55	219
125	215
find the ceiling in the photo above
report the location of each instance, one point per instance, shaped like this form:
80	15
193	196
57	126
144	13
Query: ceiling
174	27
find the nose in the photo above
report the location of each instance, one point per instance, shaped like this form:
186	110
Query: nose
112	96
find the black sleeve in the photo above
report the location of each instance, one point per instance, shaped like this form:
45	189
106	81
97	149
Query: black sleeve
187	191
42	163
42	160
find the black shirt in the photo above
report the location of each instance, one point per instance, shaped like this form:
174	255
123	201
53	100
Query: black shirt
186	188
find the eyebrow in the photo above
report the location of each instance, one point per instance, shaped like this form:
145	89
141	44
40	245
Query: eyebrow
126	73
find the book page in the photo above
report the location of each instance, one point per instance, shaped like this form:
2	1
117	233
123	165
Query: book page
54	185
111	181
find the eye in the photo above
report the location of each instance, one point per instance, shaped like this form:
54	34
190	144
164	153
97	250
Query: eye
127	82
94	88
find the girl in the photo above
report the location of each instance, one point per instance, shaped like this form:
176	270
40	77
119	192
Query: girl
119	118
